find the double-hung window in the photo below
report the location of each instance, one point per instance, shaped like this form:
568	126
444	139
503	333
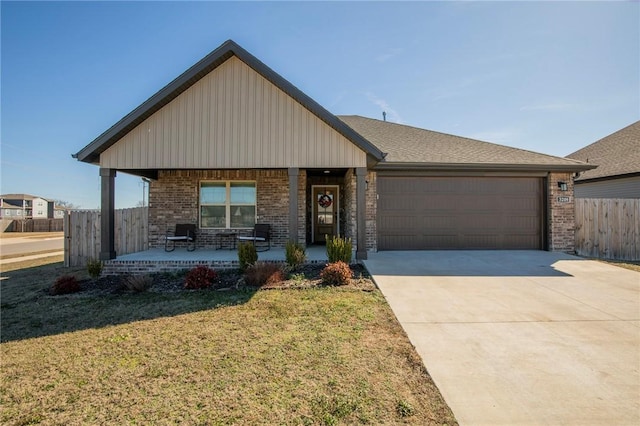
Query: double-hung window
227	204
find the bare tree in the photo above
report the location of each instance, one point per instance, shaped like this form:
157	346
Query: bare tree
65	204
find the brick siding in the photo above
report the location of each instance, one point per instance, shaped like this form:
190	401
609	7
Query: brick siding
351	224
372	203
173	198
561	215
349	203
302	210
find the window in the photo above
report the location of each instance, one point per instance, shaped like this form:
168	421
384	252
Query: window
227	204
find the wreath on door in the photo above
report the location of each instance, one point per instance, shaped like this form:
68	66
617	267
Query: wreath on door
324	201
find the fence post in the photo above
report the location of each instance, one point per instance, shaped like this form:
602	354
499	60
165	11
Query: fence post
67	236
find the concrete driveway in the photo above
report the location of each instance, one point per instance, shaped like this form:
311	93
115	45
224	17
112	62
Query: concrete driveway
521	337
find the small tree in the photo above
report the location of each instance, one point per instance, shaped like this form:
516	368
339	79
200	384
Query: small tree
295	254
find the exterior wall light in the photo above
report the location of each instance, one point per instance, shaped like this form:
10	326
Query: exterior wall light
562	186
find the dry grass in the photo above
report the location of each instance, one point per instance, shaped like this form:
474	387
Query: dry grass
32	263
627	264
29	235
313	356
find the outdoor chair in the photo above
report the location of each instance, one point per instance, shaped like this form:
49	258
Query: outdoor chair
183	232
261	234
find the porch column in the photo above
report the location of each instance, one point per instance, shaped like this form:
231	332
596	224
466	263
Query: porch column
294	172
107	214
361	213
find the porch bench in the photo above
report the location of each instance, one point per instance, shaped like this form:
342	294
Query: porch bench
261	234
183	232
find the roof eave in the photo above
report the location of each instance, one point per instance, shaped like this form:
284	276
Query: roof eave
483	167
608	177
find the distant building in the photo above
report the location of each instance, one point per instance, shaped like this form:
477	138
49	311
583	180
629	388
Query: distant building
19	206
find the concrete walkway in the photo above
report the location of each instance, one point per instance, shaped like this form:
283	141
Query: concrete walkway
521	337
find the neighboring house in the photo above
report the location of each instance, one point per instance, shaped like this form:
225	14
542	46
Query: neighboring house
618	159
230	143
18	206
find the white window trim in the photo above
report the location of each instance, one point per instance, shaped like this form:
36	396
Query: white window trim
227	204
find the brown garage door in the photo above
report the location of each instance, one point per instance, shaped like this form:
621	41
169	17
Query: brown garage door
418	213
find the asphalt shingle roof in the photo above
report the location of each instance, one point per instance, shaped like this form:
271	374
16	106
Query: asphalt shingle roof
406	144
616	154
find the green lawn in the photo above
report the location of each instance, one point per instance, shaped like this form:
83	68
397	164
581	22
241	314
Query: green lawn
314	356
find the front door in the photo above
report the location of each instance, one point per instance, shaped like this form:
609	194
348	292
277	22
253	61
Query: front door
325	212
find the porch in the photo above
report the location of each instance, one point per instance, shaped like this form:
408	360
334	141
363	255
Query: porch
158	260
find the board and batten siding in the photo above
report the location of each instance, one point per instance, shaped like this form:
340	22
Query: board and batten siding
232	118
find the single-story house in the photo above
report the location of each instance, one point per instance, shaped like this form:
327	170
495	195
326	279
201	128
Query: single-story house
618	159
230	143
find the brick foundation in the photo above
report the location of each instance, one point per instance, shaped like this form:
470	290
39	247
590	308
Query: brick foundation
139	267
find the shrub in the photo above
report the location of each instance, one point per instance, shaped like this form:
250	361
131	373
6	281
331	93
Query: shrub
339	249
200	277
64	285
247	255
298	278
138	283
295	254
404	409
337	273
94	268
263	273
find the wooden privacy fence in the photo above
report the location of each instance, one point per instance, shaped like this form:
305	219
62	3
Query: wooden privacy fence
31	225
82	234
608	228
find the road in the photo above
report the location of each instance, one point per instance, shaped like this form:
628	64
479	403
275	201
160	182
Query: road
29	244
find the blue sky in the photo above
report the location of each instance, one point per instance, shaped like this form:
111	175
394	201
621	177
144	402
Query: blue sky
548	77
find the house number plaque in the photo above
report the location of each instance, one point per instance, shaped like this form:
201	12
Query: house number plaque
563	199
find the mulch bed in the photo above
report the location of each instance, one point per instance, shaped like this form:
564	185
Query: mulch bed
307	276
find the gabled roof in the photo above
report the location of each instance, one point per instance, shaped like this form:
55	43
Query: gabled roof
91	153
410	147
615	155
